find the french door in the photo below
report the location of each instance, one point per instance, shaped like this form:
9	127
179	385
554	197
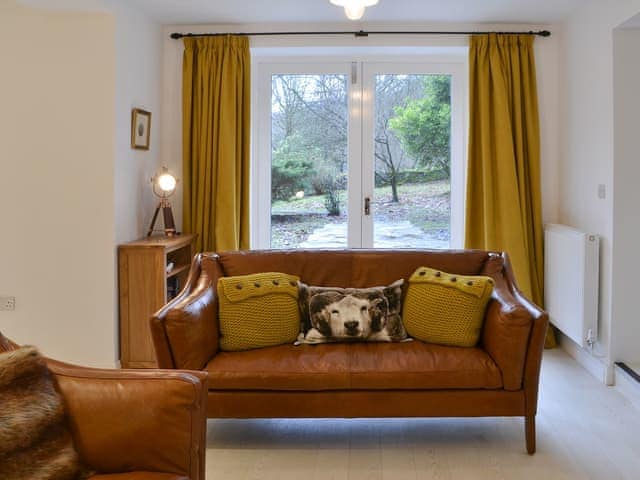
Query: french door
358	154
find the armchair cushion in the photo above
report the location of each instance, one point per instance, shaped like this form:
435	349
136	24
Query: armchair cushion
34	439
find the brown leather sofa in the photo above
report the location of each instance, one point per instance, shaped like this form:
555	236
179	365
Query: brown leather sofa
499	377
134	425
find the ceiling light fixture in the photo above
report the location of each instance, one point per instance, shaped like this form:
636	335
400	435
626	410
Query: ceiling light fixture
354	9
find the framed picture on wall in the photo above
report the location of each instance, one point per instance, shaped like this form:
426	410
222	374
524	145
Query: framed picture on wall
140	129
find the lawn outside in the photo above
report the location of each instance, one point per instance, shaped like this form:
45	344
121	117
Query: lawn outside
425	205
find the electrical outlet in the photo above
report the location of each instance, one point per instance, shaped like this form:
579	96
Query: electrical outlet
7	303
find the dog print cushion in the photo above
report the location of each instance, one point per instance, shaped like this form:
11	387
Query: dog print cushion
331	314
447	309
258	310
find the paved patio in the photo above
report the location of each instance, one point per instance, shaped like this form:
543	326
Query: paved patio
386	235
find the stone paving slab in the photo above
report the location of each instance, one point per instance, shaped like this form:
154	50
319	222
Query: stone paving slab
385	235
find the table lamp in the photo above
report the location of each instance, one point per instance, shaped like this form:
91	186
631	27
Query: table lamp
164	185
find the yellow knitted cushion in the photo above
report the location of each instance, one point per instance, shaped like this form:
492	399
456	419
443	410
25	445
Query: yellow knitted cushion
259	310
447	309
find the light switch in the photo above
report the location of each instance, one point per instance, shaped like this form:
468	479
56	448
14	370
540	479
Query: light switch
602	191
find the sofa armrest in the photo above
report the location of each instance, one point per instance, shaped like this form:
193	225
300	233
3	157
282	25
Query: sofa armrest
185	331
533	362
128	420
510	320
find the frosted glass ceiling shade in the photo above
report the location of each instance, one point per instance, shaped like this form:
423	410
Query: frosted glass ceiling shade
354	9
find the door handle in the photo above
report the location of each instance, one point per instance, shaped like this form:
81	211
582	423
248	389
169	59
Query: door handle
367	206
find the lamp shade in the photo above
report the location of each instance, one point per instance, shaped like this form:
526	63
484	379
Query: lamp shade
164	185
166	182
354	9
354	12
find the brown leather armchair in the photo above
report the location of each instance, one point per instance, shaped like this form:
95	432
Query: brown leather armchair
132	424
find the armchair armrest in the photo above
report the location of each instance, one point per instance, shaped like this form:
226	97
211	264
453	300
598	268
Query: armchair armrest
132	420
185	331
512	327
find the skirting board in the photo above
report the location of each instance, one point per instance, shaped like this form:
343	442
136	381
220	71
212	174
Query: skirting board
595	366
628	386
624	383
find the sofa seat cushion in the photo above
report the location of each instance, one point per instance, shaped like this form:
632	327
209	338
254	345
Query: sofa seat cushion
363	366
284	367
417	365
139	476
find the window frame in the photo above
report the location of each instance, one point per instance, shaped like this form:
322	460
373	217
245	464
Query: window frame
424	61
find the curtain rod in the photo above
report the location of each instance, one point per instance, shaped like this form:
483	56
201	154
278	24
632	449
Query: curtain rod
358	33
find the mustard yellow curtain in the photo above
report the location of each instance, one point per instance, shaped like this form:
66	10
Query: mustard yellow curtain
215	163
503	210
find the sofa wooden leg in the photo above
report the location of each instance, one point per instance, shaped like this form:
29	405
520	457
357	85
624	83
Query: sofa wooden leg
530	433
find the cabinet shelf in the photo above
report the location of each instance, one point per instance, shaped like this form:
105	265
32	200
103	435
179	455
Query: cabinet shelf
178	270
145	286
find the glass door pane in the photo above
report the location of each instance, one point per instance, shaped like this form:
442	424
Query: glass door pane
411	160
309	160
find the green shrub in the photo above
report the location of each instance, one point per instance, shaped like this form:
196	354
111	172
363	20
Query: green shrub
290	170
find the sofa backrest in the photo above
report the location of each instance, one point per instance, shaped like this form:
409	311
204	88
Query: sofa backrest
351	268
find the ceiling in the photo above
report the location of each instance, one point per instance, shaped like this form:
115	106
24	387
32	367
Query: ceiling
632	23
413	11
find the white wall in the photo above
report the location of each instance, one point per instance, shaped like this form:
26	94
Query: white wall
98	67
56	181
625	332
587	136
138	85
138	82
547	62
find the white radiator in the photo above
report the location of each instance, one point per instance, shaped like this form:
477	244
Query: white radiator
571	282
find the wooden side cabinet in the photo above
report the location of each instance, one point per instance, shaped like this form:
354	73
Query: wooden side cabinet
151	271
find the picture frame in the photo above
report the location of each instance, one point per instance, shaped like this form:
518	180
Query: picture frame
140	129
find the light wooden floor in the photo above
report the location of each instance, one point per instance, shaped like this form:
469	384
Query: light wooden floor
585	431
